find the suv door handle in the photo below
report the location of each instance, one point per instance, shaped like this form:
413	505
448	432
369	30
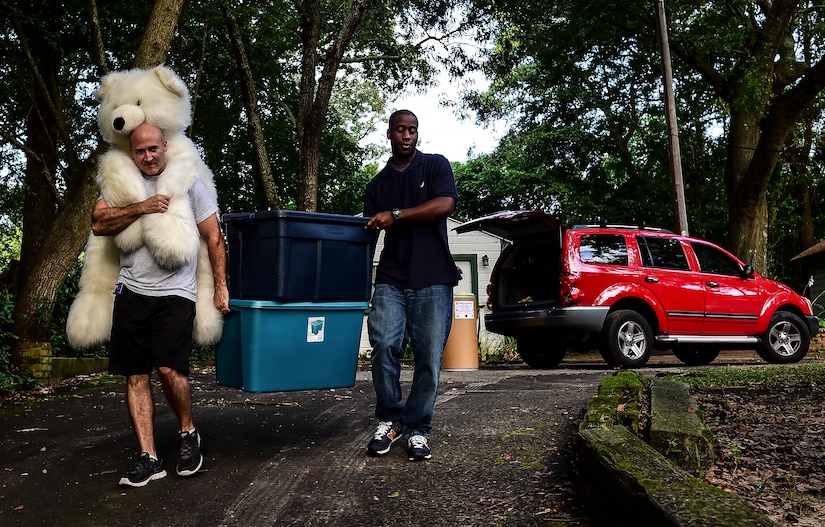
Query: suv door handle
712	284
651	279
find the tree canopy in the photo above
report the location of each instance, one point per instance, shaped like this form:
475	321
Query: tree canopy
283	93
583	81
313	74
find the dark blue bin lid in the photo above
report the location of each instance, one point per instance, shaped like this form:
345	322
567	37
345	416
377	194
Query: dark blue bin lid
268	215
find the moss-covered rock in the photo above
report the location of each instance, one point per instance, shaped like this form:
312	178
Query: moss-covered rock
627	482
676	430
620	401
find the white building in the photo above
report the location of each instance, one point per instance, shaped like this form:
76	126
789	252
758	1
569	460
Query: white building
474	254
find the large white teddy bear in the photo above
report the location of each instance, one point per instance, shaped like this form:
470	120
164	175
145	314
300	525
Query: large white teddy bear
127	99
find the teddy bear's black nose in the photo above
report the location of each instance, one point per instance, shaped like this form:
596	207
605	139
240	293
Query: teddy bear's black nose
119	123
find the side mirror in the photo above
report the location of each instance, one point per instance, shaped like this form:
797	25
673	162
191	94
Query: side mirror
747	271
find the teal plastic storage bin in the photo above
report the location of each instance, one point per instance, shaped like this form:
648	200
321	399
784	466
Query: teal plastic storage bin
272	347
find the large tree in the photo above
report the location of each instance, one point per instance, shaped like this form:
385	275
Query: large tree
746	72
769	71
309	75
49	130
326	51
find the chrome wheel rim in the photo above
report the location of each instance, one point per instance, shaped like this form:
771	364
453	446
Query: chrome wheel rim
632	340
785	339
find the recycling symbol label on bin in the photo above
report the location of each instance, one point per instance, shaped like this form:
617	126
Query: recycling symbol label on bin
315	329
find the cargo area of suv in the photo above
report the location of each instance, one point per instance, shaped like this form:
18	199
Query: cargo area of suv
529	275
628	290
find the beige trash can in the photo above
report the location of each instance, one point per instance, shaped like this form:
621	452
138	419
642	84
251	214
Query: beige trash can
461	350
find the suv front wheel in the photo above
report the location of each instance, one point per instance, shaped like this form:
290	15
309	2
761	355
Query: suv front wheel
627	338
787	339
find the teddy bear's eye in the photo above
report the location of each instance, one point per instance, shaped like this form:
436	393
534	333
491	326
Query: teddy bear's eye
138	103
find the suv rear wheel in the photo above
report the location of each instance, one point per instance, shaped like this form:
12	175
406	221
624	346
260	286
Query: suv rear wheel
538	352
627	338
787	339
696	356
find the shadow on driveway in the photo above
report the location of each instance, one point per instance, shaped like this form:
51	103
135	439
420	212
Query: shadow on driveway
502	445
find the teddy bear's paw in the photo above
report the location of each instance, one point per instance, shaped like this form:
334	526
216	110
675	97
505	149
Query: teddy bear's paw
90	318
208	327
208	320
119	179
101	265
130	238
172	238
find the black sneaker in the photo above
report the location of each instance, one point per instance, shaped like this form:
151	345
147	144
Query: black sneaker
191	460
145	471
386	434
417	449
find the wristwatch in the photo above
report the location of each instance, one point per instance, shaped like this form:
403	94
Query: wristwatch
396	214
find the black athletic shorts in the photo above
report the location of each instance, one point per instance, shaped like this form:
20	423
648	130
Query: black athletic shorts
148	332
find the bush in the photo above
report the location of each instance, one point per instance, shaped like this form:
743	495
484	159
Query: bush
202	354
10	376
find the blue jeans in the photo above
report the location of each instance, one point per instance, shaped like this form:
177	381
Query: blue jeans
423	316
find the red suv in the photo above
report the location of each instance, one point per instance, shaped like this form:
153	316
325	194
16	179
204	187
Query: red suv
628	290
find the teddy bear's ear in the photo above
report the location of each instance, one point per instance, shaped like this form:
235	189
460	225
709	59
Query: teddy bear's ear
169	80
105	83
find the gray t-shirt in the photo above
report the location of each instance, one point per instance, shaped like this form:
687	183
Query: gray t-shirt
141	273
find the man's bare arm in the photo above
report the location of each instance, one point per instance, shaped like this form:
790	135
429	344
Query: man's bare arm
216	246
107	221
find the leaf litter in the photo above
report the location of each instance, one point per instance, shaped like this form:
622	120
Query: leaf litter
769	449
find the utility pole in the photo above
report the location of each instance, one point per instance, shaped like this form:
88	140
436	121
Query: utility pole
672	127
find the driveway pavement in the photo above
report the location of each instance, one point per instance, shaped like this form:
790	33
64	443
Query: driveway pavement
503	450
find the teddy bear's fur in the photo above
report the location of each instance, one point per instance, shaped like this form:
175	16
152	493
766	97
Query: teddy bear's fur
127	99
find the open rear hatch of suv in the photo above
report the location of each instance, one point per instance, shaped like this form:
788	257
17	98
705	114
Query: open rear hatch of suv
527	272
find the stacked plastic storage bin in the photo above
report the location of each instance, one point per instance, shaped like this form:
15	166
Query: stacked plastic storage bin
299	285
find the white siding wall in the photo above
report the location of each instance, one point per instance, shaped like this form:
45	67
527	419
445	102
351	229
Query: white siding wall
477	244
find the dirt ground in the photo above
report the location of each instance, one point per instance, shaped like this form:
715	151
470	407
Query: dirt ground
770	449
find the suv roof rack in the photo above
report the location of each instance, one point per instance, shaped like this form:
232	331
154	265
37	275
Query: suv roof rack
603	225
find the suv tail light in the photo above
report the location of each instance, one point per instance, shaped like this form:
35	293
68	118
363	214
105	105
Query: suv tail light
490	296
569	293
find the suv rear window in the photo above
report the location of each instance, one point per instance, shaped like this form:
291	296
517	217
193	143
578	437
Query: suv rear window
603	249
662	253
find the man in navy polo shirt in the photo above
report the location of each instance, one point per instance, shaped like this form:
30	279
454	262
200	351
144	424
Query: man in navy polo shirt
410	199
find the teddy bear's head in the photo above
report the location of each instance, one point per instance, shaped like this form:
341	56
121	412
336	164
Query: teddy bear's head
128	98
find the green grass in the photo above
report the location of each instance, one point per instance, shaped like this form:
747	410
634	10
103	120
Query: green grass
771	376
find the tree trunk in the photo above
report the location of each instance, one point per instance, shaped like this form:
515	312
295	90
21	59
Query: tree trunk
315	96
55	227
748	237
51	242
800	149
159	33
48	268
746	204
250	98
760	120
39	206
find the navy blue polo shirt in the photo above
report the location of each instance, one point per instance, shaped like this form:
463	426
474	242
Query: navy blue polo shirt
415	254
